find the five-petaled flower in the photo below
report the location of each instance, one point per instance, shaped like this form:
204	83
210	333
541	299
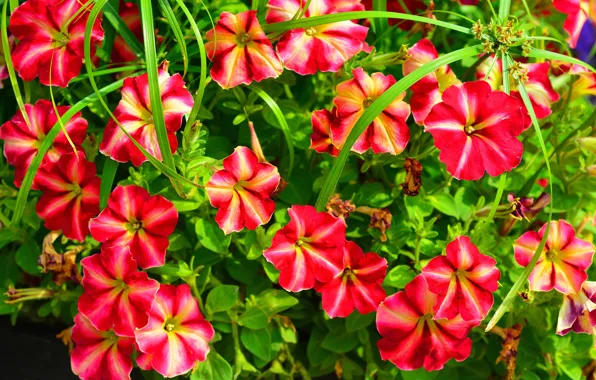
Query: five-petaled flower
578	312
117	296
476	130
320	139
317	48
563	261
138	220
22	140
242	191
99	354
578	12
388	133
134	113
50	35
584	83
310	247
464	281
240	51
177	335
358	286
413	337
70	195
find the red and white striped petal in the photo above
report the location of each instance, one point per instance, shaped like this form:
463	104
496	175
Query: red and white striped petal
578	311
578	12
320	139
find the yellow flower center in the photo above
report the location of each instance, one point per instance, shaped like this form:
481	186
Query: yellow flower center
61	39
552	254
134	225
170	327
367	102
244	38
469	129
310	31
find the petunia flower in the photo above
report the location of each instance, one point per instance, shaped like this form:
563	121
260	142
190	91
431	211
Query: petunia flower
523	208
464	281
320	139
428	90
318	48
135	115
22	141
99	354
358	286
476	130
412	336
242	191
536	81
240	51
129	13
310	247
347	5
578	311
138	220
563	262
578	12
3	69
584	83
117	296
388	133
177	335
50	35
70	195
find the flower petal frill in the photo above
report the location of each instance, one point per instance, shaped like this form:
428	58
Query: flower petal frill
138	220
70	195
117	296
242	191
310	247
320	139
578	12
578	312
177	335
563	262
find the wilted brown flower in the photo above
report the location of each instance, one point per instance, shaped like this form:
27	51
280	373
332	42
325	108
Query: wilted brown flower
413	180
380	218
66	337
63	265
339	208
511	337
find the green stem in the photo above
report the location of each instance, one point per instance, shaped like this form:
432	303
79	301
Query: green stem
417	252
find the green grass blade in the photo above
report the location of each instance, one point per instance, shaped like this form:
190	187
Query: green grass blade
281	119
110	167
102	72
114	18
173	23
377	107
545	54
344	16
504	9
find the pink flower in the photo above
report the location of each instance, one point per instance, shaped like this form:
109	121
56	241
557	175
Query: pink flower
464	281
319	48
99	354
357	286
138	220
70	195
563	262
578	312
135	115
242	191
310	247
177	335
476	130
578	12
388	133
121	52
584	84
50	35
347	5
117	296
22	141
428	90
320	139
537	84
240	51
412	336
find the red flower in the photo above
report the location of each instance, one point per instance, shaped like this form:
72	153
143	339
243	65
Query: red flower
319	48
242	191
70	195
22	141
578	12
320	140
138	220
117	296
240	51
121	52
347	5
578	312
413	337
357	286
177	335
584	83
388	133
50	35
310	247
135	115
476	130
99	354
464	281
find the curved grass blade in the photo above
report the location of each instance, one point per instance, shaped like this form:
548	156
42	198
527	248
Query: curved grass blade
545	54
173	23
110	167
377	107
345	16
114	70
504	9
281	119
123	30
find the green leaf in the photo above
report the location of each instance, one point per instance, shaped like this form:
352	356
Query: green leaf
26	257
314	351
258	342
399	276
299	190
545	54
213	368
419	374
254	318
110	167
212	237
373	194
222	298
274	301
377	107
357	321
128	36
340	342
445	203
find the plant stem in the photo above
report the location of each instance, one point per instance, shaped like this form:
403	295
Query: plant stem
417	252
